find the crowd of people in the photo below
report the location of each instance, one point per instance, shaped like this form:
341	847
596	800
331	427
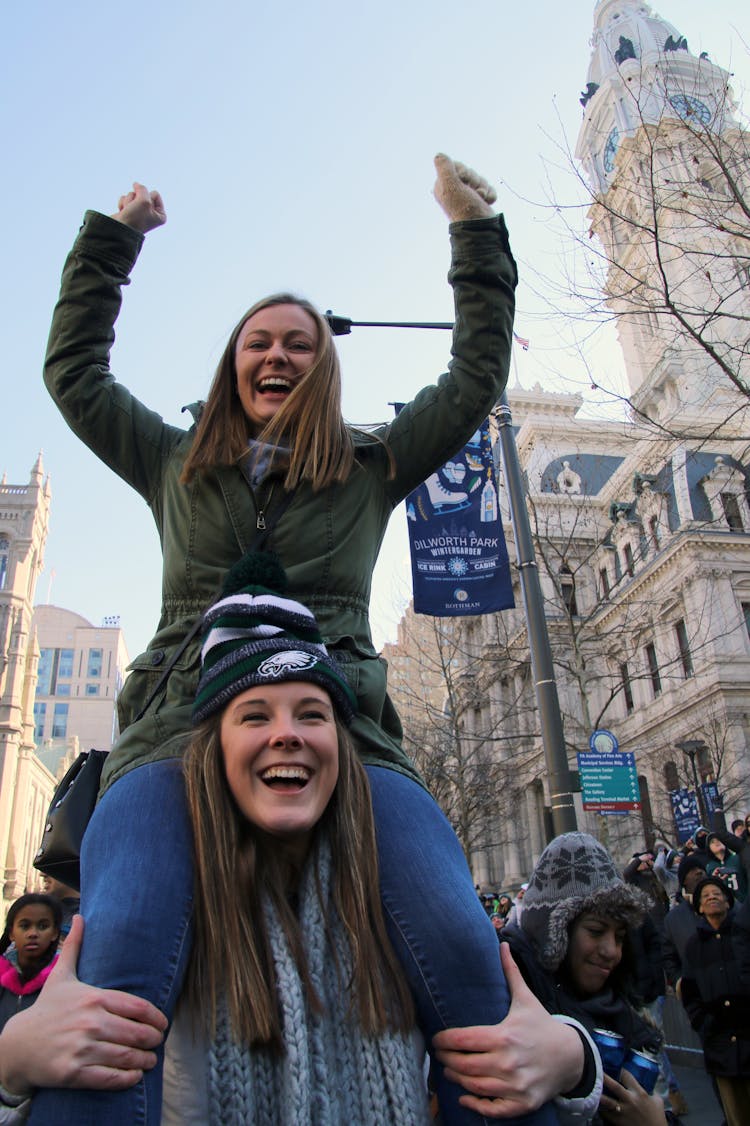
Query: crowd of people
265	913
689	896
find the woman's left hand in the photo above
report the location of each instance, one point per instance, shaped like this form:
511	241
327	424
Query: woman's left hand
461	192
627	1104
516	1066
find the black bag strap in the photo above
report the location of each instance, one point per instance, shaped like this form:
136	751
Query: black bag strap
259	545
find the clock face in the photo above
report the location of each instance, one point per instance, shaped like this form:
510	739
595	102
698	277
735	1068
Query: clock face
692	110
610	149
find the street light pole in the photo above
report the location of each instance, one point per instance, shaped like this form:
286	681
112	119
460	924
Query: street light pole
553	741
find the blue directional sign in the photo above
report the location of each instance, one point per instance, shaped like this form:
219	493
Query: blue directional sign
609	779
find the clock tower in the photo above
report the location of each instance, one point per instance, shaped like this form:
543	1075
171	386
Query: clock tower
667	167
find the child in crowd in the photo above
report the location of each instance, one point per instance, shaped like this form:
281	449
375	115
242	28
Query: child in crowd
28	949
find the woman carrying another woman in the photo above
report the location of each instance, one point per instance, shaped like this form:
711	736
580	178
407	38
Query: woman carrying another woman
270	461
295	1009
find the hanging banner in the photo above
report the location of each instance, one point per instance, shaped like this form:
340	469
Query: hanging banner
685	813
459	561
712	799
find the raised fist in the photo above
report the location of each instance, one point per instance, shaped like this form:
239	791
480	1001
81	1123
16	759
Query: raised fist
461	192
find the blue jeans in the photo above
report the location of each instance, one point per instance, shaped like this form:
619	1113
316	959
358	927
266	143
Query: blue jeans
137	887
137	903
438	928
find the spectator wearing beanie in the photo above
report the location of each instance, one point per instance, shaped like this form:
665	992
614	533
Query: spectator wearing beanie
575	881
728	863
715	990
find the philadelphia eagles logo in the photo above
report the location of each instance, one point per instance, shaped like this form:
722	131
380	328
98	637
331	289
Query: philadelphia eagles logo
280	663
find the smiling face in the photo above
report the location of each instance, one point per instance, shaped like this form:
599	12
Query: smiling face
275	349
594	951
713	905
280	749
33	932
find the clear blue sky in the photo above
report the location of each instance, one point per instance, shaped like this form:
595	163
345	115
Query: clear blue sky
293	146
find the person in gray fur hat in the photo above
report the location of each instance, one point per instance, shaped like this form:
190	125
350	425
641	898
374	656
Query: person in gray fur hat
573	948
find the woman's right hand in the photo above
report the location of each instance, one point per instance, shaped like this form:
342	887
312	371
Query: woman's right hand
75	1035
141	209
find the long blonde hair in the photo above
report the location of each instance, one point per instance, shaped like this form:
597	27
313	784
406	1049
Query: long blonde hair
237	866
309	421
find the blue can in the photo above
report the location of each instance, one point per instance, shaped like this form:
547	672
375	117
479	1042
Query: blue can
612	1050
643	1066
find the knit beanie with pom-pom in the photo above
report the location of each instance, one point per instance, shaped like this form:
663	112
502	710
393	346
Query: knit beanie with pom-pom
255	635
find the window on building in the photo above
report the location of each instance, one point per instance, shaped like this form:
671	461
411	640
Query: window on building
94	668
62	689
653	531
746	615
604	581
686	656
45	669
568	589
731	508
40	715
92	689
671	778
60	721
627	687
4	556
65	664
629	563
653	668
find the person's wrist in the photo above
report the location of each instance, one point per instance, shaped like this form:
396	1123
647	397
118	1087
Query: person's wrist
571	1060
13	1087
12	1098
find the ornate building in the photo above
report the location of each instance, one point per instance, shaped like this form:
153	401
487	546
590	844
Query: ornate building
25	783
59	677
642	527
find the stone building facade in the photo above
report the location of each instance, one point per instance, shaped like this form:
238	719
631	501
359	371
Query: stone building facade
25	783
641	526
81	670
59	677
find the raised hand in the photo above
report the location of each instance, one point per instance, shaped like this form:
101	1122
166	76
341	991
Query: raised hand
516	1066
461	192
100	1038
141	209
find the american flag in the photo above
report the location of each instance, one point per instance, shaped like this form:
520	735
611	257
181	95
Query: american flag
520	340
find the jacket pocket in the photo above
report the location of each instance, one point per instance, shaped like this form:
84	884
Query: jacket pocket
146	671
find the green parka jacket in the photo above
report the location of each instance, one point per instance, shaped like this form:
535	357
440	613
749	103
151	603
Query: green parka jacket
327	541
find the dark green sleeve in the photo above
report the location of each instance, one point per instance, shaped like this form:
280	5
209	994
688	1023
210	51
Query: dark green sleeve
443	416
131	439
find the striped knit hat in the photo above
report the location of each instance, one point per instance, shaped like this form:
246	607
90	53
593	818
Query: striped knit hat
254	635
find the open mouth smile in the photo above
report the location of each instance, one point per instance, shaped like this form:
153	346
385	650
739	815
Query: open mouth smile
286	777
274	385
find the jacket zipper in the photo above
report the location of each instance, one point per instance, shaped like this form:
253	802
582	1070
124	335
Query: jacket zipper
260	519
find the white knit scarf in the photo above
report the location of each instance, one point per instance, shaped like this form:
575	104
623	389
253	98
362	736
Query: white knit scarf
330	1074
